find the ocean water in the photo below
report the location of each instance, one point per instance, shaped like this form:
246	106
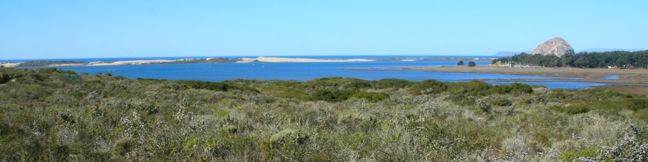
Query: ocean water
308	71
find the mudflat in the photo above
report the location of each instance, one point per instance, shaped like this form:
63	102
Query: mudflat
633	81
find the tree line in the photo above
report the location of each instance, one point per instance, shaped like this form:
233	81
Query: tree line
620	59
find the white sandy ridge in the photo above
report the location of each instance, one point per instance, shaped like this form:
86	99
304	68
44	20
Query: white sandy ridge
70	64
130	62
10	64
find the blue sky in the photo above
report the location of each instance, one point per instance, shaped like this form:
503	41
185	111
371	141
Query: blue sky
160	28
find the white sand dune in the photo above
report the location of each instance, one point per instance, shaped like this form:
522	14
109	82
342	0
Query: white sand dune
70	64
10	64
130	62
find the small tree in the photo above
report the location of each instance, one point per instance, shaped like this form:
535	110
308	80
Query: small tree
472	64
460	63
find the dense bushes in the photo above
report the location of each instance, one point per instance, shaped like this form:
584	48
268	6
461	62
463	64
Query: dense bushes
501	102
462	100
391	83
331	95
4	78
338	82
340	89
621	59
50	115
342	95
477	88
612	103
472	64
287	143
428	87
370	96
515	88
214	86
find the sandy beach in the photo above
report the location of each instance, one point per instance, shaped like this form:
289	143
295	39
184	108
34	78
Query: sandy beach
629	80
10	64
131	62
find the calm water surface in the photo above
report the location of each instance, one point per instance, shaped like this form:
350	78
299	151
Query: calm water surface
308	71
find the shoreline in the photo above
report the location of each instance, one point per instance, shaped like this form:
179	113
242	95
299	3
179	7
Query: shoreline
634	81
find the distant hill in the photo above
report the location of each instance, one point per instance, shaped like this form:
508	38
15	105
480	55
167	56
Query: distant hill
555	46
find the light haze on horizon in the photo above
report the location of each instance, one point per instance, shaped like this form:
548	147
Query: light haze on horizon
33	29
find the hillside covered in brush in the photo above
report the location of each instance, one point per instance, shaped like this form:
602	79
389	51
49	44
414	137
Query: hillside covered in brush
52	115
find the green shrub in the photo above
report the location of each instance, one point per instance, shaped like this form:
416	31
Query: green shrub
331	95
571	155
470	88
571	109
123	146
637	103
285	89
49	115
642	114
4	78
287	144
501	102
484	107
472	64
515	88
356	84
338	82
226	145
363	122
428	87
391	83
370	96
214	86
462	100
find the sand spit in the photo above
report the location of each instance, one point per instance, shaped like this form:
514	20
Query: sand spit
130	62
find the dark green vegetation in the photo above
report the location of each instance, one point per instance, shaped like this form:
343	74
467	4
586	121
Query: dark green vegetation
460	63
621	59
472	64
51	115
42	63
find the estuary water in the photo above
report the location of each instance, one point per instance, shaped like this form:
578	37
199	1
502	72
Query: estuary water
308	71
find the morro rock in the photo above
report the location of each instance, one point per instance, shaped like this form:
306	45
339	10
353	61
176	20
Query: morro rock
555	46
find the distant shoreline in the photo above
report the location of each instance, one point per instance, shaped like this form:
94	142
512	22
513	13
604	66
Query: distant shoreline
624	80
265	59
46	63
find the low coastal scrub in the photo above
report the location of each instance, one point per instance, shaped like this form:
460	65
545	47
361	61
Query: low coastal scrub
53	115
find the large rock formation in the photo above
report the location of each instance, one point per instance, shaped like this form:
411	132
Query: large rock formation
555	46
